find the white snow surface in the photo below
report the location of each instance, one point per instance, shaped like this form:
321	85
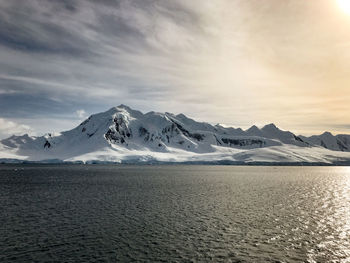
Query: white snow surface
122	134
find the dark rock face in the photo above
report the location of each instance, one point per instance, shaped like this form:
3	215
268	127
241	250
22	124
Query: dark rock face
171	129
85	122
345	139
243	142
112	136
343	142
47	144
120	132
341	146
197	136
297	138
91	134
121	127
143	132
217	141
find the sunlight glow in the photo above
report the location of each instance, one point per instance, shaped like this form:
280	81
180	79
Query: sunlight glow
344	5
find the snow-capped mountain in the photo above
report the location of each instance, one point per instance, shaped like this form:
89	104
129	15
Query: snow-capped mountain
124	134
329	141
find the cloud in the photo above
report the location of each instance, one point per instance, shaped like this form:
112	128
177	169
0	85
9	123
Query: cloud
81	113
197	57
113	53
8	128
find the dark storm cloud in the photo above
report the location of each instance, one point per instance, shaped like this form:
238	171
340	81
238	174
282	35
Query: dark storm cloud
60	57
62	27
23	27
57	40
108	51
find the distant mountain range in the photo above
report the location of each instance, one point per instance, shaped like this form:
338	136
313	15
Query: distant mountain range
122	134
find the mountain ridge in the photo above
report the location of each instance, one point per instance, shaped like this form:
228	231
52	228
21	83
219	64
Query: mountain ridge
122	133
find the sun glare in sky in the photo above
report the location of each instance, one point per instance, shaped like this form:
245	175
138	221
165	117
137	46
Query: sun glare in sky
344	5
236	62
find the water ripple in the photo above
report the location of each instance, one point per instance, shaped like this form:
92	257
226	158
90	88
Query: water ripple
174	214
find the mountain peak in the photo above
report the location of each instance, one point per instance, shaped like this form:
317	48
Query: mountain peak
327	133
253	131
124	106
270	126
253	128
181	115
120	107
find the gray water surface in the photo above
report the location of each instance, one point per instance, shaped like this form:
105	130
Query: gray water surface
107	213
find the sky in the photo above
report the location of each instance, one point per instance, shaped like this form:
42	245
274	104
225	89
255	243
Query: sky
234	62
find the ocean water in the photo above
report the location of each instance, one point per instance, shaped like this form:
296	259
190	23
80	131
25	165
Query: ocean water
175	213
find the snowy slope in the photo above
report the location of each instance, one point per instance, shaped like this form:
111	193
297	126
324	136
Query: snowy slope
124	134
329	141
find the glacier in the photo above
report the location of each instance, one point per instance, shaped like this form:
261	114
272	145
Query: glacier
125	135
